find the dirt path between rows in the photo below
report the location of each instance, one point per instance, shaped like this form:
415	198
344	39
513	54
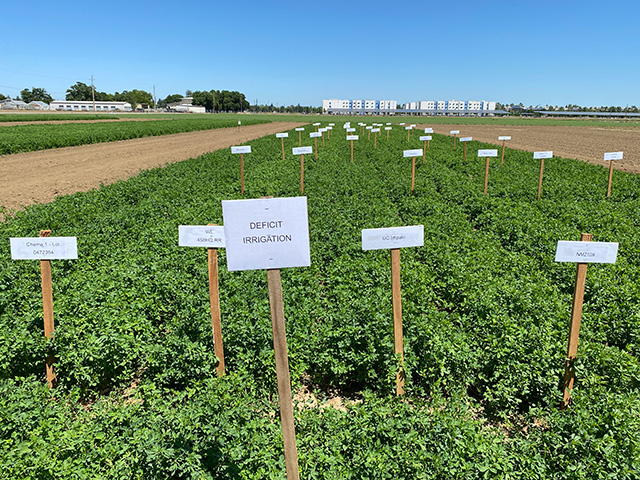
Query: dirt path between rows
39	177
584	143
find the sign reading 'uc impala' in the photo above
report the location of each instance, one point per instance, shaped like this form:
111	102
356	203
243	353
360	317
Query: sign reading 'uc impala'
44	248
586	252
266	233
394	237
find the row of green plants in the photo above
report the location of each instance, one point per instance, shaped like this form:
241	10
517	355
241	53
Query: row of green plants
52	117
485	311
27	138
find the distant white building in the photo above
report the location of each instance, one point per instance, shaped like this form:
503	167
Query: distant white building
37	105
361	106
450	107
9	104
87	106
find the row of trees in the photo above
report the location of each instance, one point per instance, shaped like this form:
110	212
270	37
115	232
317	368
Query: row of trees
81	91
566	108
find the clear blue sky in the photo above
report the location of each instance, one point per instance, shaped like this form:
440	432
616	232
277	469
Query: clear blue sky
285	52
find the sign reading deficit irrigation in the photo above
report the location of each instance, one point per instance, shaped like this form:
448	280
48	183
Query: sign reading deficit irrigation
586	252
44	248
241	149
395	237
266	233
201	236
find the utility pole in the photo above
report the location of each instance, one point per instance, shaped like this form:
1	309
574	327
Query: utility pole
155	105
93	95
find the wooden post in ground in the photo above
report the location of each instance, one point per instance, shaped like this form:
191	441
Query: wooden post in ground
301	173
214	300
610	157
282	373
504	139
486	176
351	151
242	173
610	178
413	173
540	179
47	309
574	328
397	317
282	148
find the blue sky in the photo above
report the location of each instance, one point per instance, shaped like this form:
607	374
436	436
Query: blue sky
286	52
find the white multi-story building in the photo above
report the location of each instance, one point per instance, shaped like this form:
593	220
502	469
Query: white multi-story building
87	106
455	107
361	106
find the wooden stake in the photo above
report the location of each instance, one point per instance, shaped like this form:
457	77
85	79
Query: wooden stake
610	178
299	138
574	328
424	152
301	173
316	139
351	151
464	156
387	135
413	173
540	179
408	134
486	176
47	309
428	143
502	159
369	138
454	142
214	300
242	173
282	373
375	140
322	139
282	148
397	317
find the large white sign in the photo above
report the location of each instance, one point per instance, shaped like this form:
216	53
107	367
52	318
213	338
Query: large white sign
504	138
465	139
428	130
302	150
352	137
201	236
242	149
282	135
424	138
613	156
395	237
538	155
315	134
587	252
412	153
266	233
488	153
44	248
454	132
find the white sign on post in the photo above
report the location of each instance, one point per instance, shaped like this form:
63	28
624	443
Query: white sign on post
488	153
504	138
300	129
369	127
428	130
332	124
465	139
302	150
388	123
454	132
242	149
412	153
402	123
586	252
352	137
540	155
211	236
266	233
316	124
44	248
351	129
408	128
322	130
613	156
387	128
282	135
424	138
375	130
395	237
315	134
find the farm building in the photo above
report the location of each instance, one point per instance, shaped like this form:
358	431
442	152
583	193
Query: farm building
38	105
186	106
9	104
87	106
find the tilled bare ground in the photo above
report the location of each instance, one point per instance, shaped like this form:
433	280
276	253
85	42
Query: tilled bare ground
39	177
583	143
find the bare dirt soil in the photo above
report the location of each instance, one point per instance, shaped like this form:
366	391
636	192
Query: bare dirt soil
39	177
583	143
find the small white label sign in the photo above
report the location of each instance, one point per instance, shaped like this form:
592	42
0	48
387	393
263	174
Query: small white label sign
408	128
613	156
369	127
412	153
315	134
332	124
388	123
44	248
402	123
387	128
537	155
201	236
454	132
351	129
352	137
375	130
328	128
504	138
300	129
465	139
242	149
488	153
282	135
424	138
322	130
394	237
266	233
316	124
428	130
302	150
586	252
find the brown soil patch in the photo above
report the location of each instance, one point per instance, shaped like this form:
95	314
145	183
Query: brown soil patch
39	177
583	143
